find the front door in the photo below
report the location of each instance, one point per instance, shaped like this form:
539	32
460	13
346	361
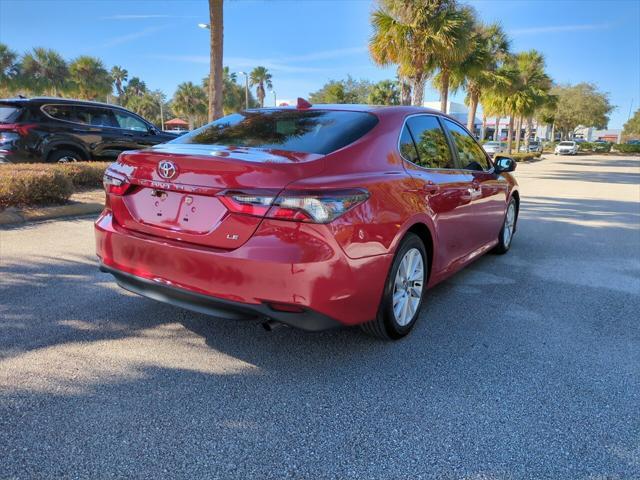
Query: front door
441	188
487	191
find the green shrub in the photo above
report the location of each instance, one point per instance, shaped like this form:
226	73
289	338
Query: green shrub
524	157
594	147
26	187
626	148
38	184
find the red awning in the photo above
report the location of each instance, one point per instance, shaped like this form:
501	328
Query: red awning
176	122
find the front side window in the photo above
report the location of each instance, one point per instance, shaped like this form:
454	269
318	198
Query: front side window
127	121
310	131
431	142
470	154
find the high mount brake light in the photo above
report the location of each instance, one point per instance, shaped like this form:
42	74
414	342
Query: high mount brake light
115	185
313	207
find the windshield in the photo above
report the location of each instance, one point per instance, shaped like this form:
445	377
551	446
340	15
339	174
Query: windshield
492	144
310	131
8	112
566	144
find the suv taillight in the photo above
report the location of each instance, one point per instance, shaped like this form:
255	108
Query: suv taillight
21	129
299	206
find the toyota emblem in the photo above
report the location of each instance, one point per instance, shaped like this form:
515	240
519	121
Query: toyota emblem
167	169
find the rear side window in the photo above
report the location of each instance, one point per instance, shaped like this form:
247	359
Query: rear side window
431	142
407	147
470	154
311	131
8	112
93	116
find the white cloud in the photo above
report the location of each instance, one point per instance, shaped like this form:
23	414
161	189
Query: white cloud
282	64
131	36
559	29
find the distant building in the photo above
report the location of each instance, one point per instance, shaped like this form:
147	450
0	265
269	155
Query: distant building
176	124
459	111
591	134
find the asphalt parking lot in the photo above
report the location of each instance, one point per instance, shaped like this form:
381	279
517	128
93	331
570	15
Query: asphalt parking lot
522	366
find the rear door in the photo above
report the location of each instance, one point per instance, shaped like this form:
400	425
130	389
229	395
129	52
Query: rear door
441	187
486	191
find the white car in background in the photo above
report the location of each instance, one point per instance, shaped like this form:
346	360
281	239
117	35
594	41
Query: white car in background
494	147
566	148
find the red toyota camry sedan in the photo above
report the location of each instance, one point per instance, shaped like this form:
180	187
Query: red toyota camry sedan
310	216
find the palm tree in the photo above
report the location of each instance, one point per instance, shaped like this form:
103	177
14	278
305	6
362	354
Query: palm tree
119	76
478	71
384	93
215	91
44	71
8	69
89	77
260	78
448	44
189	101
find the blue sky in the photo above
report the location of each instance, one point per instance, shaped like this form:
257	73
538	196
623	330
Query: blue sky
306	43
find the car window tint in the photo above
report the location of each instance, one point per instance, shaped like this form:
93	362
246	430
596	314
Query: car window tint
407	147
311	131
99	117
431	142
8	112
68	113
470	154
129	122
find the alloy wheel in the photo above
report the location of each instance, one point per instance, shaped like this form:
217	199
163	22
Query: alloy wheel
408	285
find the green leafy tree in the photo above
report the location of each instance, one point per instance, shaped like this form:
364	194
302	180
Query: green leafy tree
89	78
580	105
385	92
44	71
479	70
8	70
261	79
119	76
421	37
190	101
343	91
631	129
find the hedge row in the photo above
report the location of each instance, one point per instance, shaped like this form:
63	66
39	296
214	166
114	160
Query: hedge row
594	147
36	184
524	157
626	148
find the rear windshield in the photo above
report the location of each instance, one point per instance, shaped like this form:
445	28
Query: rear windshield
8	112
311	131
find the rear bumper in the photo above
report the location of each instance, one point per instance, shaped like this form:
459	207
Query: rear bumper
305	320
289	263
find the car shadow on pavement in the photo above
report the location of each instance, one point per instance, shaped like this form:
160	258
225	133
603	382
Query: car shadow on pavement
591	176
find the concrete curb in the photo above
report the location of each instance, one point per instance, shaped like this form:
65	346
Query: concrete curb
12	216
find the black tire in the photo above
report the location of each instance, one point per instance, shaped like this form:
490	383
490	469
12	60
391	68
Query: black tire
504	244
385	325
64	156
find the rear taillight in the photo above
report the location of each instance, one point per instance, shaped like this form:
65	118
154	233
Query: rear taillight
299	206
115	185
19	128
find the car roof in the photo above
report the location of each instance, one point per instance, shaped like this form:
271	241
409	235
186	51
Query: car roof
378	110
58	100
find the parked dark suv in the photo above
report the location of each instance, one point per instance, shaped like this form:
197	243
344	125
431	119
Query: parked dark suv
63	130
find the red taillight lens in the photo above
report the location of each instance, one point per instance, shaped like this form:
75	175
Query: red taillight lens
19	128
315	207
115	185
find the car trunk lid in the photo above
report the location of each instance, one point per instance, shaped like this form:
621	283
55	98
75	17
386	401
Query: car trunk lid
176	189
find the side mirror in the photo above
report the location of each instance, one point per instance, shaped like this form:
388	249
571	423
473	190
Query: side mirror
504	164
153	131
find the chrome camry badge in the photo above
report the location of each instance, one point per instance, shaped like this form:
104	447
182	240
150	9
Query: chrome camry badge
167	169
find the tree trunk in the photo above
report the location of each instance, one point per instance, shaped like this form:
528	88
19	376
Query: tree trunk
553	132
510	134
444	90
418	91
483	129
496	132
473	108
405	91
527	132
215	59
518	133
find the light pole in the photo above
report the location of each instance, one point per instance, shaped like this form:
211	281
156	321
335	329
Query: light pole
275	99
246	89
161	112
